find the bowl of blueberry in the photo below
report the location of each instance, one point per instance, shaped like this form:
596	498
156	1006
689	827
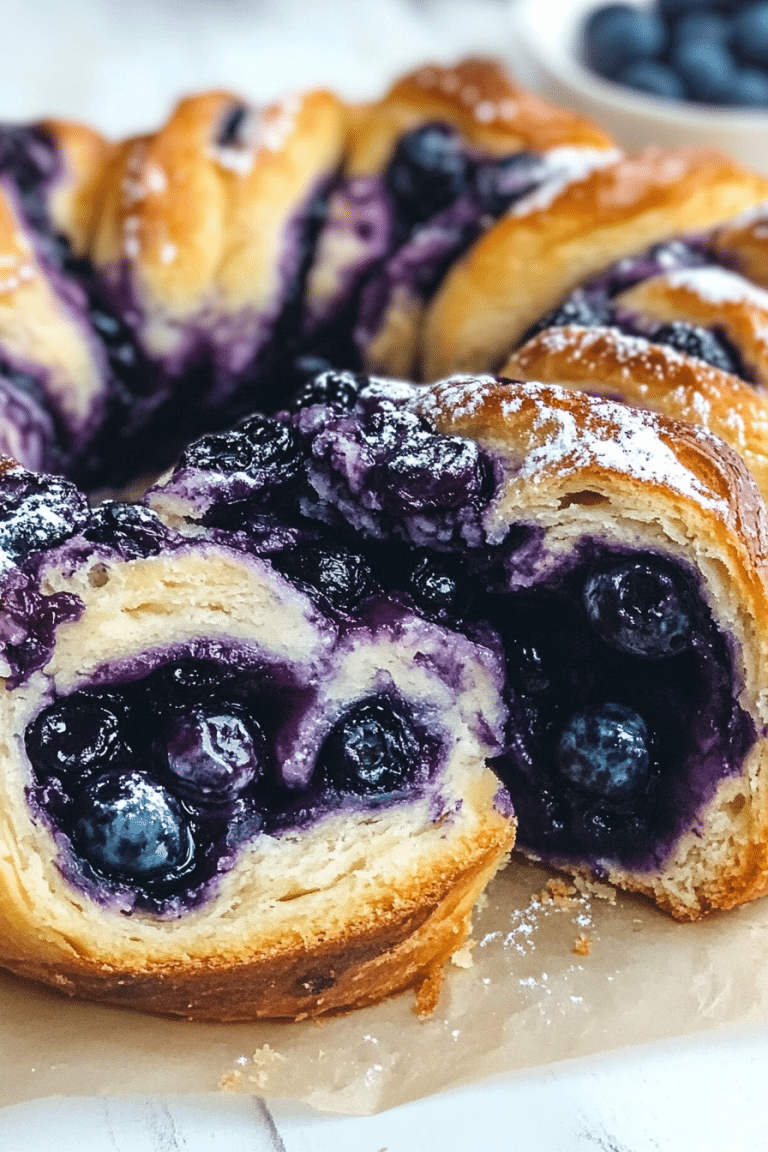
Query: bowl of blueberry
665	72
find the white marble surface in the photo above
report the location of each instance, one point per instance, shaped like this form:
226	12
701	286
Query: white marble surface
120	65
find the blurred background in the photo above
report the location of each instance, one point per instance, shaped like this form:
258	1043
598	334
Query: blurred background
120	64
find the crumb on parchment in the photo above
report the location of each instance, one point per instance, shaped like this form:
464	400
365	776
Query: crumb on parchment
462	957
261	1059
428	991
582	945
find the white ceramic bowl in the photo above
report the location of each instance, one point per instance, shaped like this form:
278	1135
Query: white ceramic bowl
547	37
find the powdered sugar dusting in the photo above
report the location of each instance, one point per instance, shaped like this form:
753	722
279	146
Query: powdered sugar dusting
565	166
460	395
718	286
617	438
628	352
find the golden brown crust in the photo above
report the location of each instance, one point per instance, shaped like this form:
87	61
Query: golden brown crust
394	947
354	906
604	362
712	297
41	333
743	244
74	197
531	258
480	99
200	225
583	467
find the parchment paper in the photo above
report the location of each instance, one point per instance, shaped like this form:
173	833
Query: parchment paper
554	973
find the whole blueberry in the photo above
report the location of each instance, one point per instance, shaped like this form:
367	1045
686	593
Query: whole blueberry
428	171
341	576
436	589
706	68
695	341
133	528
79	734
702	25
618	34
653	77
219	452
638	607
334	389
605	751
38	512
749	89
275	445
750	33
213	753
431	471
130	828
372	749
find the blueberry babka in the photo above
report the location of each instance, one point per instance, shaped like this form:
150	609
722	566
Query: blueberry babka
619	559
240	777
268	731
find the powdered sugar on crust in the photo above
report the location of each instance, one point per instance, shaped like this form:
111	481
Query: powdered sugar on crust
565	166
718	286
547	434
461	395
627	351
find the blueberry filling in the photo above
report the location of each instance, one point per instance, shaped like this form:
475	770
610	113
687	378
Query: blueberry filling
623	697
342	577
153	785
593	305
132	829
372	750
231	127
699	342
268	450
428	171
37	512
28	158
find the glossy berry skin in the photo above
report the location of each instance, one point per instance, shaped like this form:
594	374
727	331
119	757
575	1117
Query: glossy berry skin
617	34
695	341
342	577
435	590
428	171
605	751
219	452
132	528
188	680
706	69
333	389
430	471
130	828
38	512
653	77
750	33
371	750
639	609
749	89
213	753
78	735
